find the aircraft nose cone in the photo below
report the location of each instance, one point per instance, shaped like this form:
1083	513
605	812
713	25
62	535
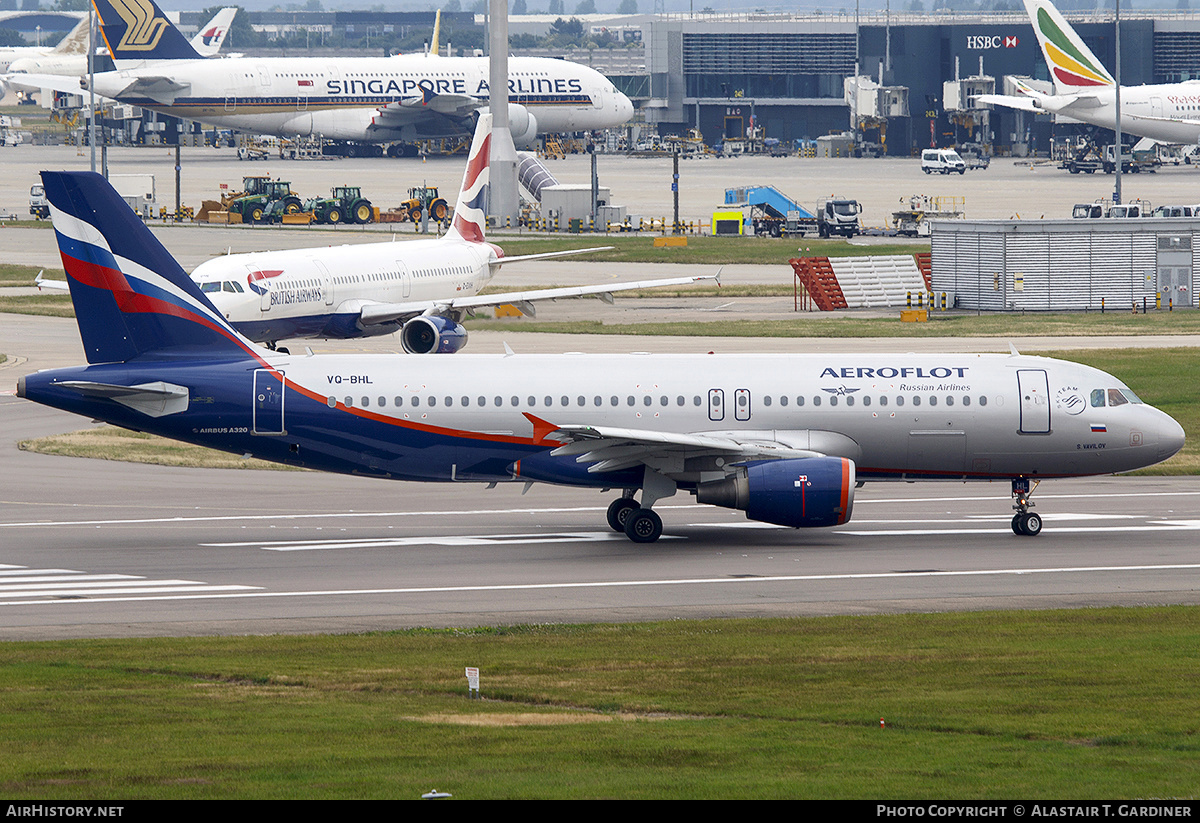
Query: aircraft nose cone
1171	438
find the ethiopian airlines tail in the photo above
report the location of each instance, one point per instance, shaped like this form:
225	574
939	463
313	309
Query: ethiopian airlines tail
1071	63
470	210
137	31
131	298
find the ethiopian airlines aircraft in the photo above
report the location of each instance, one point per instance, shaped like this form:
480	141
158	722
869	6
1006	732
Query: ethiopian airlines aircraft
363	99
785	438
421	287
1085	91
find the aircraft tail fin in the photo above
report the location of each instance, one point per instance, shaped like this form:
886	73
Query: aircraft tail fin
470	210
437	30
76	40
137	30
211	37
131	298
1072	65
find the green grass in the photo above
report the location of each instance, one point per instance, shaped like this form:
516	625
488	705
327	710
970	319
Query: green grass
717	251
1096	703
51	304
836	326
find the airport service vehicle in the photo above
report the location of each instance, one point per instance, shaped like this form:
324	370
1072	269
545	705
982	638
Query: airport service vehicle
422	288
265	200
425	200
785	438
838	216
357	99
1085	91
942	161
39	206
345	203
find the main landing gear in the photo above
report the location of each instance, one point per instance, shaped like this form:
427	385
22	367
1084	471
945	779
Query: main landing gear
637	520
640	525
1024	522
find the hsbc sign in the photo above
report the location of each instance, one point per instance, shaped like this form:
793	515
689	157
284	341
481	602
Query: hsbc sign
992	41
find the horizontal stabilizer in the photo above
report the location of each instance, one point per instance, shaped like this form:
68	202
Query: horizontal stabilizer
156	399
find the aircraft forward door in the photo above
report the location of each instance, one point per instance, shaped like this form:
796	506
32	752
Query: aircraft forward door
268	402
1035	401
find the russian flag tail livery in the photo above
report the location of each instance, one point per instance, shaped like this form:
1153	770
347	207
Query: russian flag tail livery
137	30
470	212
1072	65
131	298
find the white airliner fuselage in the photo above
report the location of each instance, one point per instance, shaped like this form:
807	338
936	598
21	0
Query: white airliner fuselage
407	97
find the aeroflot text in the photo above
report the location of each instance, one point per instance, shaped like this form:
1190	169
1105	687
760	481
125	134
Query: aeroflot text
1035	810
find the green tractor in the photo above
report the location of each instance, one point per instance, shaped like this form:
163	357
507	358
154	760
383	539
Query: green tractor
266	201
425	199
345	205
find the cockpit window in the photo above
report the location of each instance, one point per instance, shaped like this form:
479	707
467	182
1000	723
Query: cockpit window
210	287
1115	398
1097	398
232	286
1130	396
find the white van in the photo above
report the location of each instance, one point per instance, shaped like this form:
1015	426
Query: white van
943	161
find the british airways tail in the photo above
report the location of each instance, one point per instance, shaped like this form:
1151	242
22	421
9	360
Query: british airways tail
132	300
470	210
1072	65
137	30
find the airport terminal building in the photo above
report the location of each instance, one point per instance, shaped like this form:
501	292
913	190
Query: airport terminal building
713	72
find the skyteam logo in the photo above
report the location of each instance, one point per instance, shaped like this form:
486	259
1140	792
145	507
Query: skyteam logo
143	28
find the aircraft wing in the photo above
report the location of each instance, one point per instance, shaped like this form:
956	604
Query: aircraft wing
67	84
1011	101
406	110
375	313
162	88
43	283
609	448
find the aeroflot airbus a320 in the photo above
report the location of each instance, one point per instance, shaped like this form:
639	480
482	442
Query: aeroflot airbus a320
786	438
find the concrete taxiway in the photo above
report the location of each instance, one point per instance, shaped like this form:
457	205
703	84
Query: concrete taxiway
97	548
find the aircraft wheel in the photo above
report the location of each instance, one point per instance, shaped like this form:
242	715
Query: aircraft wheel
618	512
1027	524
643	526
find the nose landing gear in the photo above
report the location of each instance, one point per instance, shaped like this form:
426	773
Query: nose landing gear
1025	522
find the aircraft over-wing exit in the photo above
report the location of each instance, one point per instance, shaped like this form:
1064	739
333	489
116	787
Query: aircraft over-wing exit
1085	91
422	287
785	438
361	99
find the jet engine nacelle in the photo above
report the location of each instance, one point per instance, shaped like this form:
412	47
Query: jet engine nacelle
803	492
430	334
523	126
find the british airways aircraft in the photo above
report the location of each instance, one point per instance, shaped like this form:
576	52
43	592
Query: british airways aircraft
421	287
785	438
363	99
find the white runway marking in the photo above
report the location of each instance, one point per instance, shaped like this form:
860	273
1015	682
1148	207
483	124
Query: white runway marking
619	584
20	585
999	500
432	540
